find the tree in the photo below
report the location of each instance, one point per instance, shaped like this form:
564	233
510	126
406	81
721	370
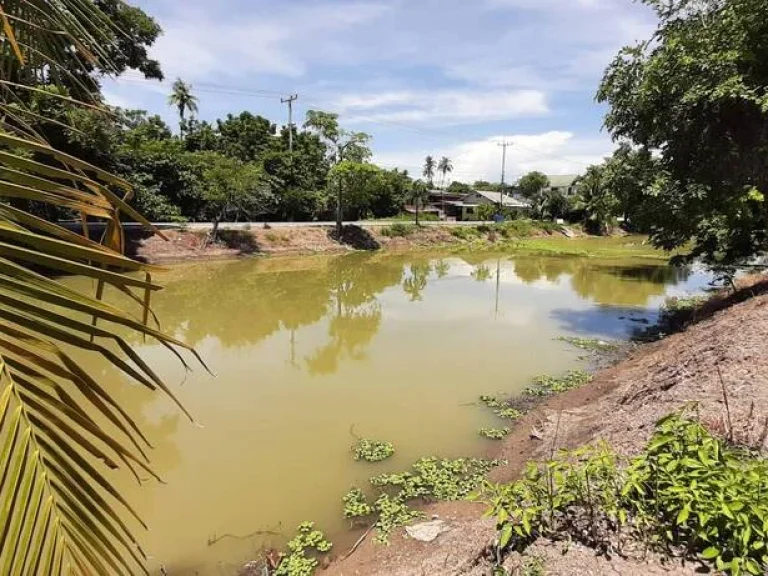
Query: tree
631	174
695	96
599	204
245	137
343	145
63	426
233	188
459	188
445	167
418	196
532	184
358	180
429	170
183	100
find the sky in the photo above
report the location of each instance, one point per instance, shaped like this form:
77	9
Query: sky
442	77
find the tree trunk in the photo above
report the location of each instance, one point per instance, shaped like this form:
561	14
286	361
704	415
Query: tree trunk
417	213
339	220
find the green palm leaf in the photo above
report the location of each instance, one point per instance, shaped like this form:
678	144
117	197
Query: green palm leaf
60	427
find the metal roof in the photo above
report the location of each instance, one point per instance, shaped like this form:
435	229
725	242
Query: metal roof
507	200
562	181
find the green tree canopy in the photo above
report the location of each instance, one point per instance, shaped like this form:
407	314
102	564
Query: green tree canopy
696	94
533	183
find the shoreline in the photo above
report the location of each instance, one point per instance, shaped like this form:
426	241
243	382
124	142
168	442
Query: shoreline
525	237
620	405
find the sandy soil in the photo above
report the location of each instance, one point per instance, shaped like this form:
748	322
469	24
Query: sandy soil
727	348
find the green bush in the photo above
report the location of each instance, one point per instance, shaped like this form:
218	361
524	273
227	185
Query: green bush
687	491
465	232
399	230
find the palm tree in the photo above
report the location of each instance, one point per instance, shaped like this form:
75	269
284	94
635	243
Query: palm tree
445	167
418	196
182	98
61	425
429	170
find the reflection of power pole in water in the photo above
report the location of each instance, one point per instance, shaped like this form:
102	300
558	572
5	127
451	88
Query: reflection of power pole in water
498	285
292	361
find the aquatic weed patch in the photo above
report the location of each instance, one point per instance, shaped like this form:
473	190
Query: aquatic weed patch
494	433
591	344
303	548
372	450
549	385
429	479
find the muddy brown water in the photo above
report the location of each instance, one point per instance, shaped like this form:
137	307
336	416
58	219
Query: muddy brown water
396	346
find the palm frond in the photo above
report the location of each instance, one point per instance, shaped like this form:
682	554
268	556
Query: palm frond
60	426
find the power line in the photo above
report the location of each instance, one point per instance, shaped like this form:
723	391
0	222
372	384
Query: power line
271	94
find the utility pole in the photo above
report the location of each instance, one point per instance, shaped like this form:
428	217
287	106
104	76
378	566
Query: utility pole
290	100
503	145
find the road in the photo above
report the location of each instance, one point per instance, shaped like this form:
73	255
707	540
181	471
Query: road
244	226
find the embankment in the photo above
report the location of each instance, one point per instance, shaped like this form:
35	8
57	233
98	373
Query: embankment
722	355
187	246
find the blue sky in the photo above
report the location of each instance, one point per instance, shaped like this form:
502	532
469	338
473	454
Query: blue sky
440	77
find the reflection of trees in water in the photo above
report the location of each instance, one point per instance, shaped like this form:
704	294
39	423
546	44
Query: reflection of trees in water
606	282
481	273
355	282
442	268
417	279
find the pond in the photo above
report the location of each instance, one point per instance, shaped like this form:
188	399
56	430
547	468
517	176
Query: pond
307	351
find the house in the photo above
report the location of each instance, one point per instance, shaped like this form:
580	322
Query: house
566	184
465	208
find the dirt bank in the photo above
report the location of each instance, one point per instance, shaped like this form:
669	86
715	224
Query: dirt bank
185	246
621	405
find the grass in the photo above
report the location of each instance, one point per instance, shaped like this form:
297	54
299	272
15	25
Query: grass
399	230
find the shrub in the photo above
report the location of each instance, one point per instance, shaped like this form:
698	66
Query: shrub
465	232
687	490
398	230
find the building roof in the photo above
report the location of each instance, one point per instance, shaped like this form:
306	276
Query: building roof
508	200
562	181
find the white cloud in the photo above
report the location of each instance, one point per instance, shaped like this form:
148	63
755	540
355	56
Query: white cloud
114	99
201	42
554	152
449	107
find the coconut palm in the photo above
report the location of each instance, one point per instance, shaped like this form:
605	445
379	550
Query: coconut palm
429	170
183	100
419	194
445	167
60	425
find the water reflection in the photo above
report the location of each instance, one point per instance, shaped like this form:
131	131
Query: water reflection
243	303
